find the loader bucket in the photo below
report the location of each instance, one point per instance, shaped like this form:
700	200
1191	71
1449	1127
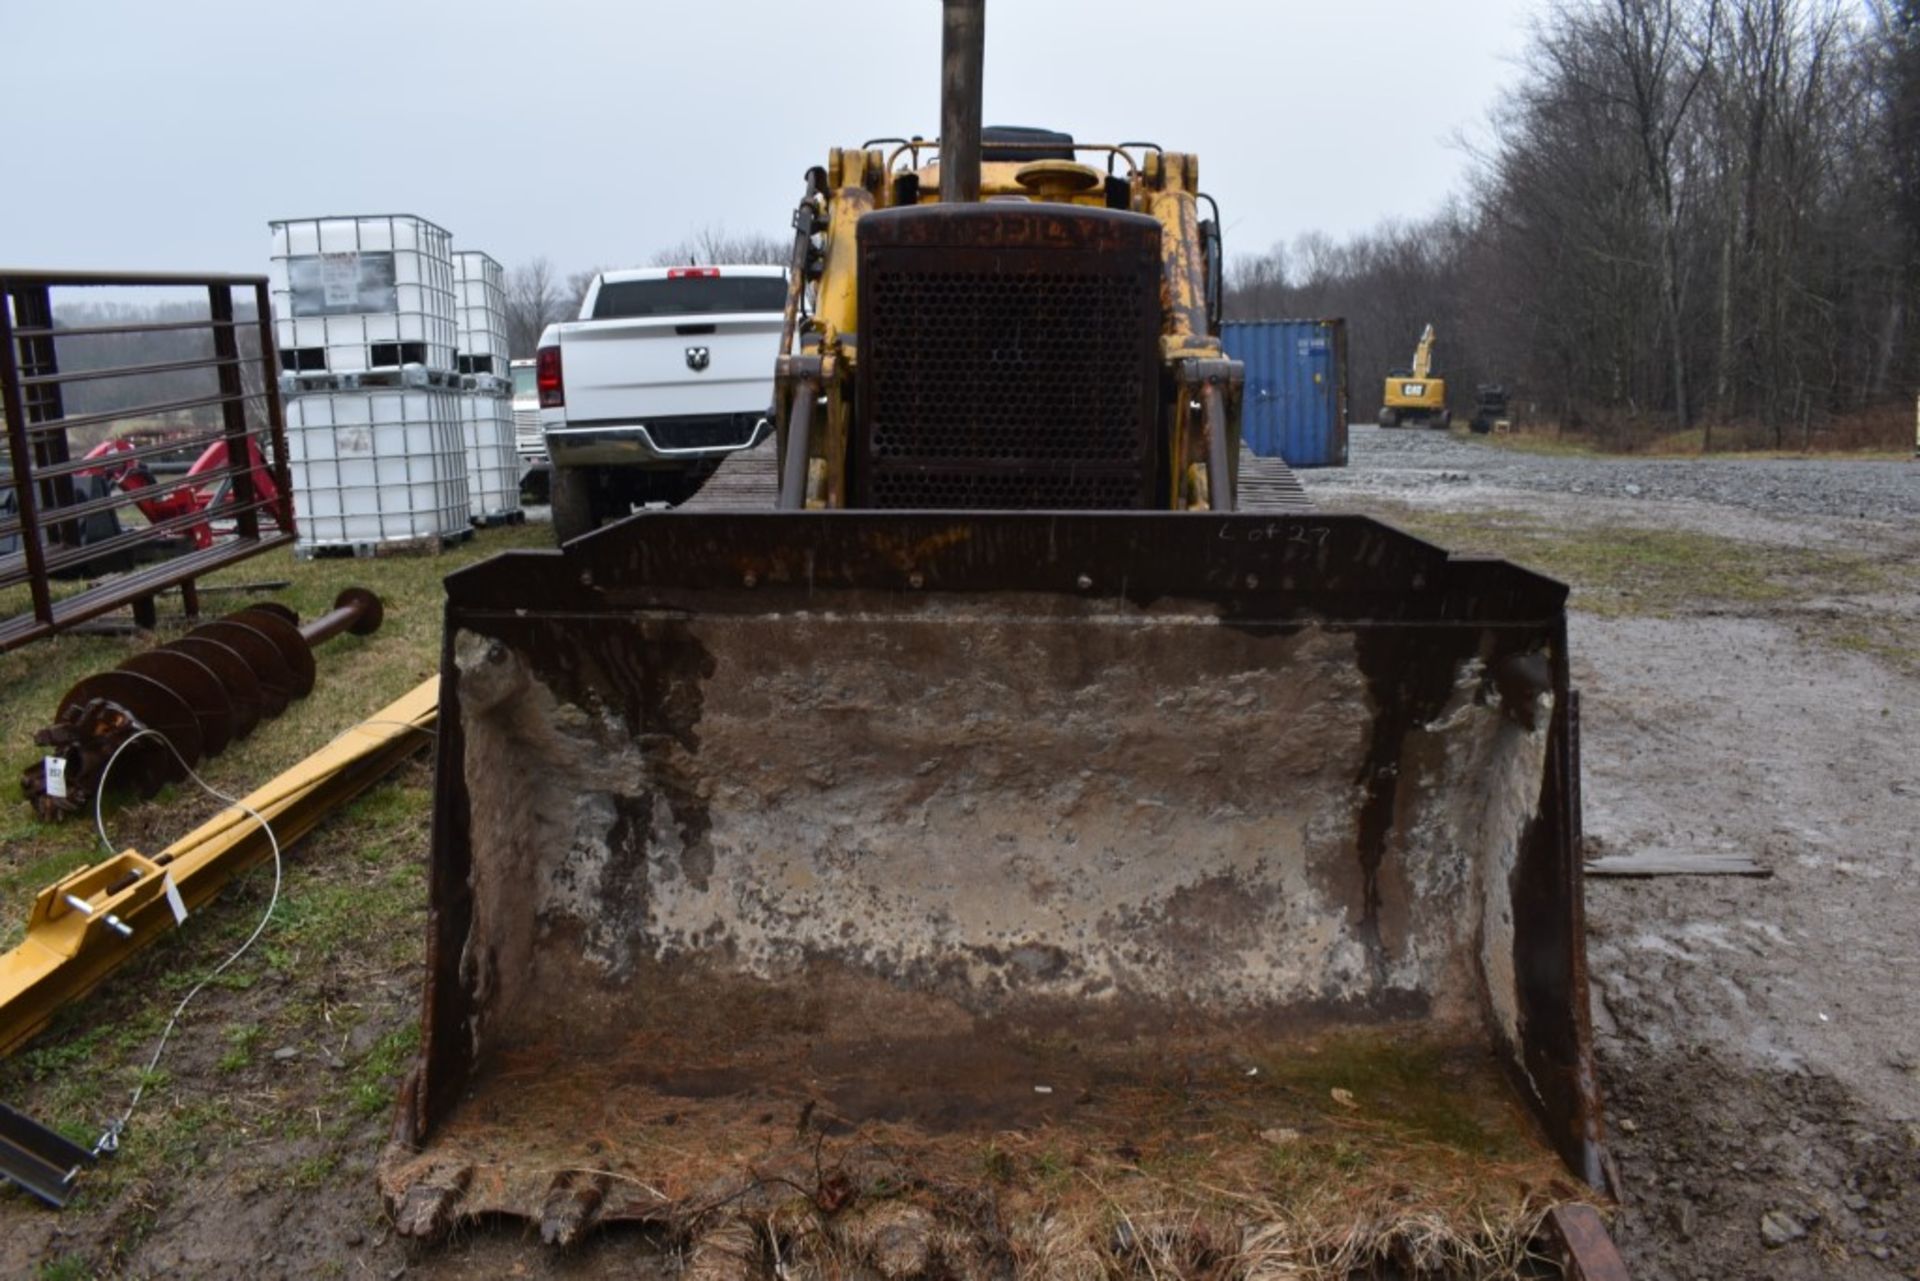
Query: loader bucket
801	876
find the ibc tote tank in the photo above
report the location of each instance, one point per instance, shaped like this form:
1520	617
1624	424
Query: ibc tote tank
360	292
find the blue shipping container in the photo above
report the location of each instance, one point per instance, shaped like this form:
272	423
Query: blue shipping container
1296	398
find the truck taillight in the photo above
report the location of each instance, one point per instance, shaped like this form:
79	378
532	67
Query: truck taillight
546	376
694	273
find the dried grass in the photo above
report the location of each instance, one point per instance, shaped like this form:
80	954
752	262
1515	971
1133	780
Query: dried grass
1428	1173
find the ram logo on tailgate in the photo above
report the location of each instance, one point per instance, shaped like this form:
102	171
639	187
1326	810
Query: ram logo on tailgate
698	358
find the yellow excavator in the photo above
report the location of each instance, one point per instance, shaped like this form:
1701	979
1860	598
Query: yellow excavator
1416	395
1001	848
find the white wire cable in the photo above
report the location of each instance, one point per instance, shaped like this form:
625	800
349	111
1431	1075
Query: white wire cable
109	1140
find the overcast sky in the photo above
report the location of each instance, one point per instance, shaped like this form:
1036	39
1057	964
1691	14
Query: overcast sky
164	136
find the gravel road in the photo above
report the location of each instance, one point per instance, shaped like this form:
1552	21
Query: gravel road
1759	1039
1409	464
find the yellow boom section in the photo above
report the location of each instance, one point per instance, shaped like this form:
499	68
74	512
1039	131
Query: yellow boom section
86	925
1423	354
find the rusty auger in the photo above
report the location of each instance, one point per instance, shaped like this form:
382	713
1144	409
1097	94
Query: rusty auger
199	693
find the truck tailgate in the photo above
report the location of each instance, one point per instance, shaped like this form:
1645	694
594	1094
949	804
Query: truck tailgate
623	371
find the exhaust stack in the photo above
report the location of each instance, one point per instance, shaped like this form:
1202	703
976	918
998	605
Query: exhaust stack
963	55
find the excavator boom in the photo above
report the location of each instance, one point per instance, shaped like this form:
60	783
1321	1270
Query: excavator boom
1423	354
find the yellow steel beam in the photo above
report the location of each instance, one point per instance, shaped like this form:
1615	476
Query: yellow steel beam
89	923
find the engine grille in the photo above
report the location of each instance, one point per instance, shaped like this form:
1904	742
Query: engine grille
1008	358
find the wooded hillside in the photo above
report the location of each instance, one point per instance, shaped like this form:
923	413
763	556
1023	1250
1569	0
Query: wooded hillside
1692	212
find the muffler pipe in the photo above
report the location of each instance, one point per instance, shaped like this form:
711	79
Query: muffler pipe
963	52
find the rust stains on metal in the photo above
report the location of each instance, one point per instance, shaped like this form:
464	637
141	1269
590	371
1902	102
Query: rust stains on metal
66	517
648	761
1410	678
1584	1250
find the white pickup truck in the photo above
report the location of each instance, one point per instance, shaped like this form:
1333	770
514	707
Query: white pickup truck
666	372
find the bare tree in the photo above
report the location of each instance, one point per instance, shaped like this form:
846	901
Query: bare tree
1388	283
1688	205
577	285
534	301
1899	79
1664	50
1257	286
713	245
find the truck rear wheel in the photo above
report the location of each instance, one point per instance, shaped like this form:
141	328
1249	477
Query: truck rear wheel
1388	418
579	505
534	486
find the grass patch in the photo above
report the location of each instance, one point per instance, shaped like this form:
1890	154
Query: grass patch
342	955
371	1089
357	676
70	1267
1835	596
314	1171
242	1041
1627	570
374	1076
22	881
323	922
1897	649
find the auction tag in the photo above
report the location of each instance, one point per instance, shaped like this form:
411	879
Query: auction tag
174	901
56	774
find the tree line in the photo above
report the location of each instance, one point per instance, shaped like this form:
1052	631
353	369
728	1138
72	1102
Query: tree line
1691	213
81	353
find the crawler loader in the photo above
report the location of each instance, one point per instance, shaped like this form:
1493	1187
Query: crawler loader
999	854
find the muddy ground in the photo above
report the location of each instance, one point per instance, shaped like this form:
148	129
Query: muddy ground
1759	1039
1746	642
